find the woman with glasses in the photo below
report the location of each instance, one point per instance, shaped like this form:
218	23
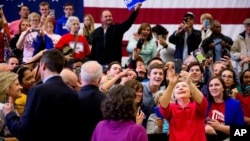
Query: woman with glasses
228	75
28	40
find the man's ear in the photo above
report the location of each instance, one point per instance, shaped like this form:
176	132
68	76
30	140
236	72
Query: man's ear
43	66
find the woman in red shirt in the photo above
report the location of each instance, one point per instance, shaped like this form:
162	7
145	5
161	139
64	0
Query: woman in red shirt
187	115
80	46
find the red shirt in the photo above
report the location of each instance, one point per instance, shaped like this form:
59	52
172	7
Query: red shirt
186	123
82	46
217	112
2	44
245	104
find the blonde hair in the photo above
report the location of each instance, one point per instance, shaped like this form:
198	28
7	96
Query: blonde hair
157	95
92	26
34	14
48	20
6	80
207	16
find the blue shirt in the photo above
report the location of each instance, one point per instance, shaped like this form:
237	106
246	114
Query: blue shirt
60	26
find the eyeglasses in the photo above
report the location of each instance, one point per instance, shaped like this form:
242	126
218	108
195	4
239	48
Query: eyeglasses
34	20
227	76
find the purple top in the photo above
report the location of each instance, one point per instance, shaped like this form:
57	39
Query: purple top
123	130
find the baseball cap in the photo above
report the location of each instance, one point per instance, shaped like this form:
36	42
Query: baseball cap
246	21
191	14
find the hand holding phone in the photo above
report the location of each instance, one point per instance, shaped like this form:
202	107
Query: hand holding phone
206	23
35	30
177	65
140	43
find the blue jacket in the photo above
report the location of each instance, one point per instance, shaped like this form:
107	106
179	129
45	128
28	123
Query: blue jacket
60	26
233	112
39	44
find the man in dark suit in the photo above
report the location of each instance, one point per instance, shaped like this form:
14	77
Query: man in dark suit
52	111
91	97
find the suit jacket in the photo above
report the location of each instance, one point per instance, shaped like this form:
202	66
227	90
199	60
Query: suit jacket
90	100
193	42
52	112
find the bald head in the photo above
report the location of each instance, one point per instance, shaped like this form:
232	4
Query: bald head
91	73
70	78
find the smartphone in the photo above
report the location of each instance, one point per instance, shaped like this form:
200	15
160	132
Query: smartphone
206	23
178	65
140	43
139	110
35	30
52	12
185	20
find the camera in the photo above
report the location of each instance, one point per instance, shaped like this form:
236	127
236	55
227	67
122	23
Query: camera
185	20
245	90
35	30
225	52
140	43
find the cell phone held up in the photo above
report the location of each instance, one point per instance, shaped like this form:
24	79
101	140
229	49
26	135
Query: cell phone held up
140	43
177	65
35	30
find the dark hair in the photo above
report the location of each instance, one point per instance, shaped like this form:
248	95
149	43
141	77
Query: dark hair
225	95
159	30
54	60
154	58
20	8
20	71
195	64
242	75
234	76
12	56
119	104
136	85
68	4
112	63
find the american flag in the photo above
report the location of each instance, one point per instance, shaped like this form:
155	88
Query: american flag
169	13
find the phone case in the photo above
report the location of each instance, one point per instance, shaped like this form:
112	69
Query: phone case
177	65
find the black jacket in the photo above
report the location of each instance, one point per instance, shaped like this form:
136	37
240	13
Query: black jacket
107	48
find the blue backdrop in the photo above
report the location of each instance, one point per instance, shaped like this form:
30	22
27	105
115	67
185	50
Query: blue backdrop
10	7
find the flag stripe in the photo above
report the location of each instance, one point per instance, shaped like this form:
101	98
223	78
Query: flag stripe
172	3
174	15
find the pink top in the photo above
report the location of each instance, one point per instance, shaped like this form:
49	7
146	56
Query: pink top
28	49
14	27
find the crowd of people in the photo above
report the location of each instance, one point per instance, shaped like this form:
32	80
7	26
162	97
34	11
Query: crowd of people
61	81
